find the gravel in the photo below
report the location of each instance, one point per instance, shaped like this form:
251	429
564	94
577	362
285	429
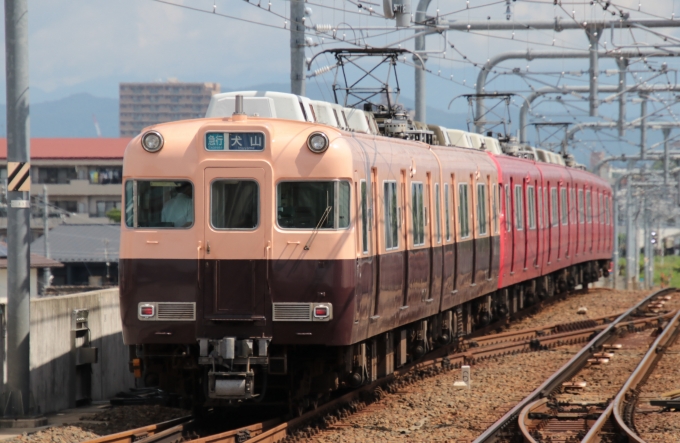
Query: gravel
433	410
654	425
599	302
108	421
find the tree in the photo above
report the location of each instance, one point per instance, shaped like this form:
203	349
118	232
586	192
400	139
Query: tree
114	215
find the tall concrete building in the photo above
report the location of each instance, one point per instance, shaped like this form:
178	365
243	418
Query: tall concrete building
145	104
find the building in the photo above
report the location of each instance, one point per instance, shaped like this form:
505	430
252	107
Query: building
146	104
38	264
83	176
89	254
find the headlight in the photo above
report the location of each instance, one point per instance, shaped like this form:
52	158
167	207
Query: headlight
152	141
317	142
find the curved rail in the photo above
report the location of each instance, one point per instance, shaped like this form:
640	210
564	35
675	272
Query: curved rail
495	432
147	433
627	394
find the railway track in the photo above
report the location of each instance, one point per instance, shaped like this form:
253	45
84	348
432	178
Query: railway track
544	416
467	351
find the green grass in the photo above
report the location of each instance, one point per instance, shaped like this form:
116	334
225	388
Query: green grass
670	266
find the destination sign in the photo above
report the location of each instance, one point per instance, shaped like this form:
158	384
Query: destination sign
234	141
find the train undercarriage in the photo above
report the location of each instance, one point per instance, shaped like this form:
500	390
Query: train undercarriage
230	371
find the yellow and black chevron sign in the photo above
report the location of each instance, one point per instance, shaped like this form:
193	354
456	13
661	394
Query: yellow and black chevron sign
18	176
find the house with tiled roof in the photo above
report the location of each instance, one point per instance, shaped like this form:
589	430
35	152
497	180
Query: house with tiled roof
82	175
38	264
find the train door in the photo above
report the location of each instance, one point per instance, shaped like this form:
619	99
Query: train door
237	242
404	220
374	243
452	218
365	253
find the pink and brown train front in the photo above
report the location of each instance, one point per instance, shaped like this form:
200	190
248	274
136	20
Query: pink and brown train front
257	249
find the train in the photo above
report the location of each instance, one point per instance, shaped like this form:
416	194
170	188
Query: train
286	248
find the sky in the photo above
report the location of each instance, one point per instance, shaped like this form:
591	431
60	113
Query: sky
91	45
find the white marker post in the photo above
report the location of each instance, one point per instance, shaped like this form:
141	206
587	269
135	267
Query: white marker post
465	378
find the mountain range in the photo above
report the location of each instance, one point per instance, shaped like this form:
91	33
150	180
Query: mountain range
75	115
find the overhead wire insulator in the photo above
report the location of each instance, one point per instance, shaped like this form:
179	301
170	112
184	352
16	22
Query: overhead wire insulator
323	28
320	71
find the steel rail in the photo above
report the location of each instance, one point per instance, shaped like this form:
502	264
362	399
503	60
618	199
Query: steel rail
474	349
287	429
627	394
145	432
493	434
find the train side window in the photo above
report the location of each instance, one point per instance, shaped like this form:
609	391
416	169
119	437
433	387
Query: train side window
391	229
494	207
540	207
364	218
572	205
531	212
546	208
508	209
519	208
447	211
313	204
563	205
600	215
481	209
437	213
581	211
553	207
589	209
417	214
463	210
234	204
159	204
606	210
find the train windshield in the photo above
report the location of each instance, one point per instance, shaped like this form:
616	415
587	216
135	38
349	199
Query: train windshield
313	204
234	204
159	204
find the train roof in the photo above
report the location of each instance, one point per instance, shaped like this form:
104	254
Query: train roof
283	105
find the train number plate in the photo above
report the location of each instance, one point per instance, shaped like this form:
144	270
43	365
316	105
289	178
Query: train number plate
234	141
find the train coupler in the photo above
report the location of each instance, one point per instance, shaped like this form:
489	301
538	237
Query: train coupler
232	363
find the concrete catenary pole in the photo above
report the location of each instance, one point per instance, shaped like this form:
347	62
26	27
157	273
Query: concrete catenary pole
421	89
647	243
630	234
643	125
666	159
593	34
18	214
297	47
47	273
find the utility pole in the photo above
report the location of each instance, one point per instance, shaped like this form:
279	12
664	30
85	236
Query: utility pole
593	34
643	125
47	272
630	234
297	47
17	402
421	88
647	242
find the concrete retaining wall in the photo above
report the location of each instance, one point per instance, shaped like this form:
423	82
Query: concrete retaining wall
53	374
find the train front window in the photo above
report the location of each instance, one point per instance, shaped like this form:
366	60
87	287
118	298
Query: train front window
234	204
159	204
313	204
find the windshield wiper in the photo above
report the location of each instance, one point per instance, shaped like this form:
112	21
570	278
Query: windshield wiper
322	220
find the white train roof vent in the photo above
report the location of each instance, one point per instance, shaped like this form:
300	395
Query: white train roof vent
280	104
357	120
459	138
